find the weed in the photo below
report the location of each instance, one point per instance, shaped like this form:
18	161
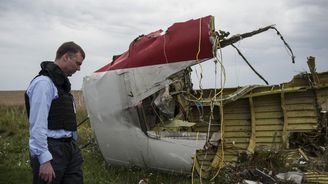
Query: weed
15	164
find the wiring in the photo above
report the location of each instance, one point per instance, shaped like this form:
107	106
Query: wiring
259	75
200	77
84	120
164	48
217	60
286	44
193	166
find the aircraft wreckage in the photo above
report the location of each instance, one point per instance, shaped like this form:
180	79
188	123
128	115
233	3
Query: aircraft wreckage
144	111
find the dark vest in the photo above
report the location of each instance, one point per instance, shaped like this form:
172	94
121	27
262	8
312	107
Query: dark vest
61	114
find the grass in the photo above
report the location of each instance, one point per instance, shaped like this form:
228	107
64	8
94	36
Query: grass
15	164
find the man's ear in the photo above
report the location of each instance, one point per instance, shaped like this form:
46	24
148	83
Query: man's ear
66	57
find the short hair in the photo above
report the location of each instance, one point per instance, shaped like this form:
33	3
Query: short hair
69	47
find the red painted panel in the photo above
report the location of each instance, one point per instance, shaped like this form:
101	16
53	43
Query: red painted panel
179	43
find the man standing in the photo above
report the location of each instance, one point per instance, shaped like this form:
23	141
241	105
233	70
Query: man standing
54	154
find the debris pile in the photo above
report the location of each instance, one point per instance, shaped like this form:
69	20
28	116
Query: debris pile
145	112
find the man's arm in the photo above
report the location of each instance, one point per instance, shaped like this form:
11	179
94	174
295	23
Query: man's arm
41	93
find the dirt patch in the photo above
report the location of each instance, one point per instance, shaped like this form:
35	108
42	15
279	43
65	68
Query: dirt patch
16	98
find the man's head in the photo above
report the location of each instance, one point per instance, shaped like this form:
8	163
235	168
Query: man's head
69	57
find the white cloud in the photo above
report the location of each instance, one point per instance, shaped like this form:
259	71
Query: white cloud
31	31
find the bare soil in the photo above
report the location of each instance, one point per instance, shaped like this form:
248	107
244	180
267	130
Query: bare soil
16	98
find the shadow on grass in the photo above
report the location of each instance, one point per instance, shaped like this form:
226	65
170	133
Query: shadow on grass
15	175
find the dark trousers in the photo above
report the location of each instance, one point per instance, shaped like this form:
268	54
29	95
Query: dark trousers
67	162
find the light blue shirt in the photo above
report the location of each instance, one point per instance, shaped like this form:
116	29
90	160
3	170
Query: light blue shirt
41	92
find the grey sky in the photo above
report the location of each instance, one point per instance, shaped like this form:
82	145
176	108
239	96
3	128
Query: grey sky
31	31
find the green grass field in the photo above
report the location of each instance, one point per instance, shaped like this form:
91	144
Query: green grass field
14	155
15	164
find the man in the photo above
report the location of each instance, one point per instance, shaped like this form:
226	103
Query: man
54	154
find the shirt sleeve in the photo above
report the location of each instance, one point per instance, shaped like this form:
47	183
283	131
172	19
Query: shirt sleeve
41	93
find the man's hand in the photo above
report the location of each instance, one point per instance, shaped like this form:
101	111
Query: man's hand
46	172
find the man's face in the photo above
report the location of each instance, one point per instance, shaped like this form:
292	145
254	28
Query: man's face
74	63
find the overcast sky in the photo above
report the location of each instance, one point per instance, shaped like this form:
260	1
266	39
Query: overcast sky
31	31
